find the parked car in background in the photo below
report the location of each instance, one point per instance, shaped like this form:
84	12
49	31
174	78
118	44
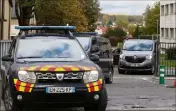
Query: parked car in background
100	46
137	55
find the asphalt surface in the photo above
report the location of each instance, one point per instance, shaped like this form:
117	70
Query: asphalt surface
131	92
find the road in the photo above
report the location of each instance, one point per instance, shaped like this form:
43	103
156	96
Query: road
137	91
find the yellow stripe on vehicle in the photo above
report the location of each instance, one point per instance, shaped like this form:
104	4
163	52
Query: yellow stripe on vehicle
23	84
74	69
21	88
30	90
95	84
101	81
15	81
89	90
88	85
32	68
32	85
96	88
59	69
44	69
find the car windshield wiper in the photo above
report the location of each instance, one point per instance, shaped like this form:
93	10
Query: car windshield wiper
30	57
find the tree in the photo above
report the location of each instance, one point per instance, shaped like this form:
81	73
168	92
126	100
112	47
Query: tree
136	32
115	32
131	28
151	16
23	10
91	10
62	12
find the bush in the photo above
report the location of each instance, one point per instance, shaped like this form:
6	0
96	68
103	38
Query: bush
171	53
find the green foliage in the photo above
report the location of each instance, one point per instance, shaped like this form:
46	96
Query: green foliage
121	20
23	10
151	16
92	11
137	32
131	28
115	32
61	12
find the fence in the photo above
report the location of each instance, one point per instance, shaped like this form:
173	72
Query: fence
168	57
4	47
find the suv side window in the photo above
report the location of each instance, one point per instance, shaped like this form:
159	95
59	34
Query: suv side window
94	46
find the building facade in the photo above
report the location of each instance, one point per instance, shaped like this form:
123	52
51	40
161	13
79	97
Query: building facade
168	21
5	18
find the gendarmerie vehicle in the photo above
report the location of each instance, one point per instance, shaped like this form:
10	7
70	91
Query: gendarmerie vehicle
138	55
48	69
93	44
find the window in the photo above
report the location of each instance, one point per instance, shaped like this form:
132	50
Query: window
166	9
172	33
140	45
166	32
162	32
171	8
162	10
175	8
84	41
50	49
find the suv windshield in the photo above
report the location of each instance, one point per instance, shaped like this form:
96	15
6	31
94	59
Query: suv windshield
84	41
138	46
50	48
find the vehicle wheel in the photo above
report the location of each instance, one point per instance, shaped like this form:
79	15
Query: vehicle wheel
8	101
101	106
109	80
121	71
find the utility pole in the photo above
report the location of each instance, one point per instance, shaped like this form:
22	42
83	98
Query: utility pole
158	50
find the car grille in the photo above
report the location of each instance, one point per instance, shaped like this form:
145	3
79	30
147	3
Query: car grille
53	76
132	59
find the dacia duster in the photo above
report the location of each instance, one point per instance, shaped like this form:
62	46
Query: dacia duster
51	70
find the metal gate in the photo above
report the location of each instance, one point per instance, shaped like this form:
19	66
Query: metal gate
167	57
4	47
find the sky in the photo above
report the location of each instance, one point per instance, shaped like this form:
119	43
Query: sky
127	7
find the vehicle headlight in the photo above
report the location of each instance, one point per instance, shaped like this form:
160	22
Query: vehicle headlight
25	76
122	56
91	76
149	57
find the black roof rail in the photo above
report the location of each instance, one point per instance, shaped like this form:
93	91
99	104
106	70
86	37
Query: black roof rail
85	33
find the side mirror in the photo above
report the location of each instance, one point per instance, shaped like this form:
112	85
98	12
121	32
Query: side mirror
7	58
94	58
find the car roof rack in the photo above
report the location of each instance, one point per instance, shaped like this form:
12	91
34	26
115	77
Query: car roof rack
83	34
25	30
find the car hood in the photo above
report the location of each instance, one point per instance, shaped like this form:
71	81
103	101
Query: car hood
136	53
84	65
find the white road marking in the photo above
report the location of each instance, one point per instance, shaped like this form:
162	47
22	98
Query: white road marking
147	79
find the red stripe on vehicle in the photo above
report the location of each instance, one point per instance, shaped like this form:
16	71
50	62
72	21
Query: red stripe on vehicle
28	85
17	87
67	69
91	85
52	69
27	89
18	83
91	89
100	86
99	83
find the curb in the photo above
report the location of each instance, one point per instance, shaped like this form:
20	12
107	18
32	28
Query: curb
141	109
166	78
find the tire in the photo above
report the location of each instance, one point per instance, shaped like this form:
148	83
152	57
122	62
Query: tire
152	72
101	106
121	71
109	79
9	100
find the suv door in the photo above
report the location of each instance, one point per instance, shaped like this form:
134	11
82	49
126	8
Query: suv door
104	55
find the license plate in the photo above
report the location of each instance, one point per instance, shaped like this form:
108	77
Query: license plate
60	89
134	65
